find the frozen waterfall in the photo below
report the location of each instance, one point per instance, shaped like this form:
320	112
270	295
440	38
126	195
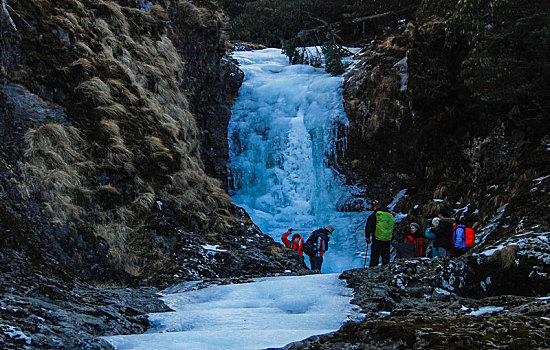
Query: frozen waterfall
283	135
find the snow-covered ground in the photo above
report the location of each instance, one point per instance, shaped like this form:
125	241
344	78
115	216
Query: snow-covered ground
283	135
270	312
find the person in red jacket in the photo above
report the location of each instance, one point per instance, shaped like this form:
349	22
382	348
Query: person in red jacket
296	243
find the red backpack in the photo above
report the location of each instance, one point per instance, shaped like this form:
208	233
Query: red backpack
469	237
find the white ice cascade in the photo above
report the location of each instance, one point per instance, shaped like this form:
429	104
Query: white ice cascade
283	135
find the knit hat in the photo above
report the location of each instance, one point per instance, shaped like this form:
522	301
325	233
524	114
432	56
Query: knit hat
329	228
415	225
435	222
295	235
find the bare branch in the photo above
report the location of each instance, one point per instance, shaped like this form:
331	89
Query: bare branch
383	15
318	19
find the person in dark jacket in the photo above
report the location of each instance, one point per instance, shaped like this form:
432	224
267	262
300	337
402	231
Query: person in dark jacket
406	249
379	231
413	244
443	233
319	238
297	242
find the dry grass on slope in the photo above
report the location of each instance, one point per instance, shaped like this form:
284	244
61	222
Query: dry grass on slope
134	141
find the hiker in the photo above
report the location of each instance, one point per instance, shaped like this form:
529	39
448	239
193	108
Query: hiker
418	239
431	251
443	233
296	243
316	246
459	239
379	230
413	244
406	249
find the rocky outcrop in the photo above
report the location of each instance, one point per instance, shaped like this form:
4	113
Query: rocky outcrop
44	311
421	304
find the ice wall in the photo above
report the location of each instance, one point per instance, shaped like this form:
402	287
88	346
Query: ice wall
283	134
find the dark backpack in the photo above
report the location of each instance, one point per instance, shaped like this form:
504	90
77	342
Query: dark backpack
308	246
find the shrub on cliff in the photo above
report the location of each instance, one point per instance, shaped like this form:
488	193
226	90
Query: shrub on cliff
509	50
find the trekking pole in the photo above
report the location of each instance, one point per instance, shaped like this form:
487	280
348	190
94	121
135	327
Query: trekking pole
366	254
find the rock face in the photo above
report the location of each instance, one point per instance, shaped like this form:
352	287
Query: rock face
108	110
416	124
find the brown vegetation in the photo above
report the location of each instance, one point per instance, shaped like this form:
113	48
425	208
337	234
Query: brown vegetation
132	139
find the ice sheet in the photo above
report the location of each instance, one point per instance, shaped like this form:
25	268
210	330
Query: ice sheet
270	312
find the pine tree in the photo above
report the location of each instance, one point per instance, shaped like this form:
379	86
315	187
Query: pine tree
333	60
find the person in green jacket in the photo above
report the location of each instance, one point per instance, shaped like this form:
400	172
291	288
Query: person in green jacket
379	231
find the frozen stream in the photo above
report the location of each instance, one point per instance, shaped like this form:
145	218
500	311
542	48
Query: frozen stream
271	312
282	138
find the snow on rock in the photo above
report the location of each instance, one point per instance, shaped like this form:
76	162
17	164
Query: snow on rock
213	248
269	312
486	310
15	334
402	67
398	216
541	179
493	223
398	197
532	244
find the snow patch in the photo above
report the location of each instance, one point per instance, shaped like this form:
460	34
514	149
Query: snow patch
442	291
402	67
493	223
15	333
213	248
147	6
398	197
486	310
532	244
540	179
